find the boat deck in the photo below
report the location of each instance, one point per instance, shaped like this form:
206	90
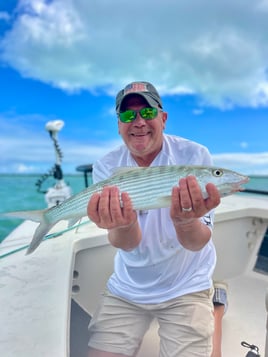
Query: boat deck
36	290
245	319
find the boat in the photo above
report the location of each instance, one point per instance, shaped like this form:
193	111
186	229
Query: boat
47	298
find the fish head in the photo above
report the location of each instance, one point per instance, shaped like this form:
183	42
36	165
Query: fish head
226	181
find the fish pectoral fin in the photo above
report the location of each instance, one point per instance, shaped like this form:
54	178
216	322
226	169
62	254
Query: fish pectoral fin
164	201
39	235
72	221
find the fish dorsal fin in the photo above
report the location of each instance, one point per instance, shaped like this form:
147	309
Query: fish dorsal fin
125	170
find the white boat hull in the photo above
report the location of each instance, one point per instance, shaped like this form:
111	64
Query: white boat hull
36	290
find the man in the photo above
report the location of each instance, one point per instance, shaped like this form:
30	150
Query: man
165	260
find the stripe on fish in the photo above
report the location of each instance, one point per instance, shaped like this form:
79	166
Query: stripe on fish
148	188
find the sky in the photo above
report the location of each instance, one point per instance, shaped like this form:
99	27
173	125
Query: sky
67	59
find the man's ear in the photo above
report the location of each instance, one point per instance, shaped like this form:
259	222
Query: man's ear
164	119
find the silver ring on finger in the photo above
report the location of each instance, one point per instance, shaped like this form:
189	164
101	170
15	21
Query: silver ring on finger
187	209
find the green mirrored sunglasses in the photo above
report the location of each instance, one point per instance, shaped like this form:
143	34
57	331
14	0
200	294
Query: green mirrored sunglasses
130	115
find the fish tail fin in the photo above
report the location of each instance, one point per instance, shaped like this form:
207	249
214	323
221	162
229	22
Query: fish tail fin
41	230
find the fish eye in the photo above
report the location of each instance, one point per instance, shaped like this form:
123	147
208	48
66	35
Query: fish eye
217	172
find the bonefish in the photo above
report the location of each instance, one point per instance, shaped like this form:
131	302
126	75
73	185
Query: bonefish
148	188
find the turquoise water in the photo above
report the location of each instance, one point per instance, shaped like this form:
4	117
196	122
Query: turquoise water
19	192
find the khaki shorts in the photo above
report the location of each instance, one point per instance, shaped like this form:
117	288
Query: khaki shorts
185	323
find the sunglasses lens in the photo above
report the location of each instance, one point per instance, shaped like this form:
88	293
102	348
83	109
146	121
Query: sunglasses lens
128	116
148	113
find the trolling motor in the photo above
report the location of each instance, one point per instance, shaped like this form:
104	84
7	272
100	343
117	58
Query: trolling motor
254	350
60	191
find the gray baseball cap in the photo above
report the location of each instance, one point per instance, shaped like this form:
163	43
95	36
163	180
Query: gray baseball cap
144	89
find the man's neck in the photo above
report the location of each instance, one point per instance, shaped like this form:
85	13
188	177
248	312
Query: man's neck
146	160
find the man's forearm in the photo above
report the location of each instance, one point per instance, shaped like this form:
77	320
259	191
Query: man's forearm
126	238
192	234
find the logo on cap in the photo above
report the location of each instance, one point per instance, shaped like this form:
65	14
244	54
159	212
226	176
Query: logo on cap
136	87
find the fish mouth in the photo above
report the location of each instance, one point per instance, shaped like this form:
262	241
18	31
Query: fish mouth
237	187
226	190
243	181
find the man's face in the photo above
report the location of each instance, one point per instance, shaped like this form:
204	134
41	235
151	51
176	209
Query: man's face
143	138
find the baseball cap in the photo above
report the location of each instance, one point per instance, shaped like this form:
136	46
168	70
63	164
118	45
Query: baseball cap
144	89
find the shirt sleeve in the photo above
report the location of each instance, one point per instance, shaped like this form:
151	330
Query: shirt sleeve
100	172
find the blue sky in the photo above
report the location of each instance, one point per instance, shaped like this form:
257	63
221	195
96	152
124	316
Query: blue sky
66	60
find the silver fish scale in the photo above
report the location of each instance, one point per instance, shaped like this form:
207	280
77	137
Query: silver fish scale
140	183
145	186
145	190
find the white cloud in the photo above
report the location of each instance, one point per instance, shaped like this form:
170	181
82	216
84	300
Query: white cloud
214	49
26	148
4	16
22	169
29	150
248	163
244	145
74	151
198	111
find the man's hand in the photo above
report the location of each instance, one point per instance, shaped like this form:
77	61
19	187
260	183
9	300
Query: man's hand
108	210
114	212
188	202
187	206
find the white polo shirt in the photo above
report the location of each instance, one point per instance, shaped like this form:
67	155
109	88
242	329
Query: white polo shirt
160	268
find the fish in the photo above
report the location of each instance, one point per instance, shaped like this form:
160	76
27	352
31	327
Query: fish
148	188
